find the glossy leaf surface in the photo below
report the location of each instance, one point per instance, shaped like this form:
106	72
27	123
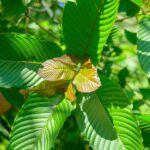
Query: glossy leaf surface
144	44
39	121
21	57
86	26
106	119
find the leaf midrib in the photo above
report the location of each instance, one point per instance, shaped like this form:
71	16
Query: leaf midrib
90	36
23	62
46	123
112	123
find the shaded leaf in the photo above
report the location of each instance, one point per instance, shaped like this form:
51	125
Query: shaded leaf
86	26
128	7
14	9
4	105
106	119
122	75
13	96
120	111
144	44
24	92
95	123
144	122
3	132
145	93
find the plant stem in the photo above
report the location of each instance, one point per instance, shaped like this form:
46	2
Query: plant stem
47	31
128	17
36	9
47	9
20	20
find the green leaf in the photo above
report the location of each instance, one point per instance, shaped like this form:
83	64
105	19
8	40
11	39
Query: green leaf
106	119
114	35
122	75
118	106
128	7
140	3
39	121
144	44
3	131
145	93
95	123
131	36
12	9
21	57
86	26
144	121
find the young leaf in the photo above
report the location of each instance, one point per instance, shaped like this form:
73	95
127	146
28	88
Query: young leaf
87	79
70	93
39	121
48	88
86	26
21	57
57	69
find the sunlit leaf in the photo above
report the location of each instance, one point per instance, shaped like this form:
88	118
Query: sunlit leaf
70	93
39	121
87	79
61	68
68	60
144	123
20	59
95	123
138	2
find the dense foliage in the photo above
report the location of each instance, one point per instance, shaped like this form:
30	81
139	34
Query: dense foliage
74	74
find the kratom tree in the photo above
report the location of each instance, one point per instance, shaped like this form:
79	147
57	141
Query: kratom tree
60	78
